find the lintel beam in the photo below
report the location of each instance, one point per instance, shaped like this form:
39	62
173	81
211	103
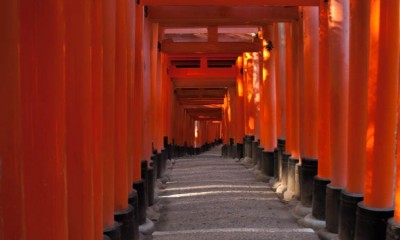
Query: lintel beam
231	2
221	15
210	47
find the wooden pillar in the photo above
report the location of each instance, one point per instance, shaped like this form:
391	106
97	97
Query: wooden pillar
358	95
138	94
281	81
109	21
269	91
11	181
382	104
239	101
249	105
121	110
79	119
257	74
324	155
132	121
339	86
43	119
309	108
97	114
289	87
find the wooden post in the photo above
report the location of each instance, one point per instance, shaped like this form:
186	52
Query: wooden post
43	118
11	181
79	149
109	21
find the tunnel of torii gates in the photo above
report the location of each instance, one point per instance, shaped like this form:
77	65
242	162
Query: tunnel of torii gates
90	89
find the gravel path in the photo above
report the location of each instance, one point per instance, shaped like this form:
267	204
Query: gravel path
209	197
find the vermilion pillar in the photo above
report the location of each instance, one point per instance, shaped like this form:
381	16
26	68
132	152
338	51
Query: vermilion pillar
121	107
323	118
109	21
97	114
324	156
309	108
132	121
268	84
79	119
383	85
358	95
249	106
149	59
339	86
138	94
280	75
11	181
42	51
240	108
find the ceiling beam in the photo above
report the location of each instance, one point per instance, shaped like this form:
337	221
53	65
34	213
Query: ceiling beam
232	2
210	47
203	72
221	15
203	83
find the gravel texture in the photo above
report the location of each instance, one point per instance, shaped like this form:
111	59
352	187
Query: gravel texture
210	197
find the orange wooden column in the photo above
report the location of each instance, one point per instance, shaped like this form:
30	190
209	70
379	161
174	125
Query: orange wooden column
358	95
109	21
279	79
339	87
383	84
289	88
323	117
338	73
257	75
382	100
138	94
97	114
240	102
132	121
121	107
79	119
358	99
249	106
309	109
324	155
11	181
43	119
149	59
268	84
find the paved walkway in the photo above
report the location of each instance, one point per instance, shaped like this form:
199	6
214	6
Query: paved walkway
209	197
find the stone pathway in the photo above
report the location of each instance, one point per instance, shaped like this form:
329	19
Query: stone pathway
209	197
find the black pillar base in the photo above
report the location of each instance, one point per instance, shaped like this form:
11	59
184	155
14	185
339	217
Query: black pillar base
126	218
113	232
159	165
319	197
153	164
254	146
285	164
291	175
239	150
371	223
268	159
105	237
309	169
140	186
150	186
332	208
224	151
259	157
347	214
163	161
276	163
392	230
247	145
281	145
133	201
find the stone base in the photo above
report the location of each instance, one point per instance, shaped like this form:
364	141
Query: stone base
147	228
300	211
311	222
